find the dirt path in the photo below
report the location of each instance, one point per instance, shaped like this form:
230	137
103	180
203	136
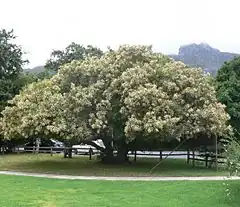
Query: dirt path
71	177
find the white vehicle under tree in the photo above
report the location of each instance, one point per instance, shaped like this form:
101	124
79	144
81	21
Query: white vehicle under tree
85	148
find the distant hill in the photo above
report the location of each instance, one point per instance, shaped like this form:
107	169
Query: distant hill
204	56
37	69
194	55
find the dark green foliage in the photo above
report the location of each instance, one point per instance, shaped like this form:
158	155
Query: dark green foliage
72	52
39	73
228	89
11	61
43	75
12	76
10	87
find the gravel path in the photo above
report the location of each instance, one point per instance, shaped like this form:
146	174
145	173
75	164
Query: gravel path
70	177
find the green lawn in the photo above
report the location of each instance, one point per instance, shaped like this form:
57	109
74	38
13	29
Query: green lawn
56	164
42	192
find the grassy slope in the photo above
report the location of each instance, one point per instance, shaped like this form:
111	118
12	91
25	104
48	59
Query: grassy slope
41	192
44	163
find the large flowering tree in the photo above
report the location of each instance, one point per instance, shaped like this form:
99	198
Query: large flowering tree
126	95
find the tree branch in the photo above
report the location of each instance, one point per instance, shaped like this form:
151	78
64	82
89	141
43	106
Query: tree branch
94	145
90	142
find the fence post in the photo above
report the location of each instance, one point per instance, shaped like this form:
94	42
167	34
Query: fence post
216	153
206	158
193	158
90	153
135	156
65	152
160	153
51	151
188	155
70	152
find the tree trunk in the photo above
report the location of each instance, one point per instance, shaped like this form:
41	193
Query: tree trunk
122	155
123	148
107	153
70	153
68	150
65	153
120	158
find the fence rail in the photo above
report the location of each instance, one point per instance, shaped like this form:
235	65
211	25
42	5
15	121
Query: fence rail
192	156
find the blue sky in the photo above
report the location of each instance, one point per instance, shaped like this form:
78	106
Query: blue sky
44	25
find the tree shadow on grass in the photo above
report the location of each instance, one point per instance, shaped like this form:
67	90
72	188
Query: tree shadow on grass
84	166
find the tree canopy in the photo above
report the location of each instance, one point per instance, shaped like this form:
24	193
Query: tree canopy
11	63
228	89
10	87
11	60
127	95
72	52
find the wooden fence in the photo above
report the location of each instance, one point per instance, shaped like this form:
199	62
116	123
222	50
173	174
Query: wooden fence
191	156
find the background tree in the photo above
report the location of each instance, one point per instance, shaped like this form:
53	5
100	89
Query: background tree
72	52
43	75
126	96
11	63
10	87
11	60
228	90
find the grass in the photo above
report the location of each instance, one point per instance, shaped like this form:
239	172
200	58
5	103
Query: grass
17	191
78	165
